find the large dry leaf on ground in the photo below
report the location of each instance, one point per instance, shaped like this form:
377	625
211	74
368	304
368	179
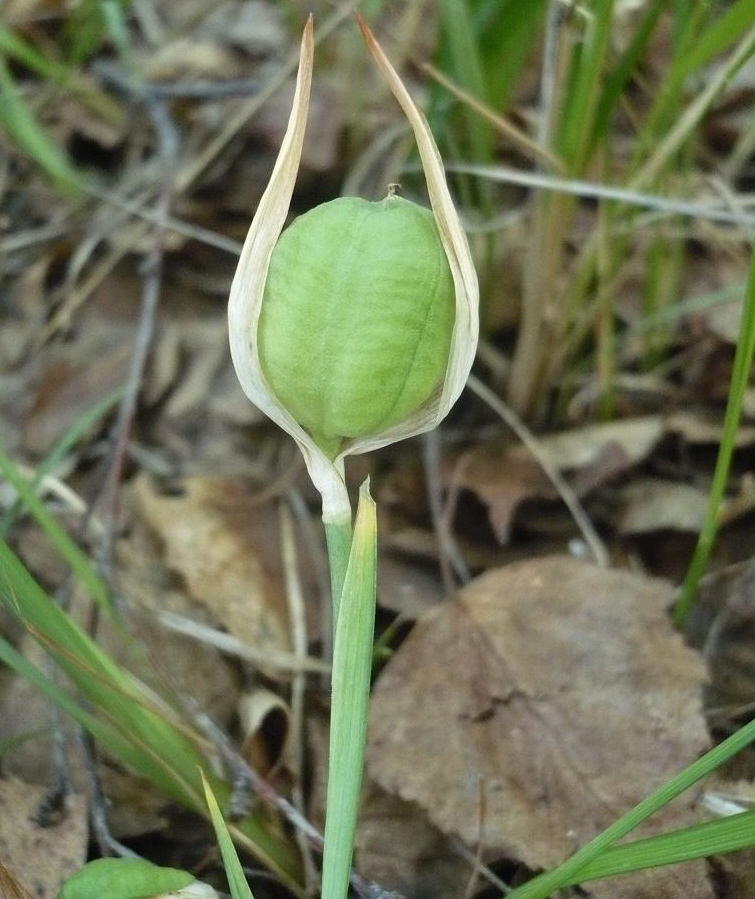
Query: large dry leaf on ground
728	647
560	691
398	848
42	857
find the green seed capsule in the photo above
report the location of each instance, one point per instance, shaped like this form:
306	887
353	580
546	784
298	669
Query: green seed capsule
357	317
124	878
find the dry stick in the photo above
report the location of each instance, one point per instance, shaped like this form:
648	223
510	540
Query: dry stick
538	318
453	493
196	90
297	617
52	804
168	142
192	171
147	215
571	501
109	495
98	815
451	560
483	870
598	191
313	542
283	661
522	141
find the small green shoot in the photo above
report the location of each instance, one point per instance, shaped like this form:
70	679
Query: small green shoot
234	872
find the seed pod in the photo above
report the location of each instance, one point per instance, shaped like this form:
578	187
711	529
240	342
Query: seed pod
303	337
357	317
133	878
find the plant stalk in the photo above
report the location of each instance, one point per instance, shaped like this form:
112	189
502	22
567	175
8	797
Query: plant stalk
352	667
338	538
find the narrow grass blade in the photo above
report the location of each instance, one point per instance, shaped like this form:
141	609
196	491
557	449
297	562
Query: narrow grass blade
699	841
582	98
623	71
234	872
85	27
697	45
468	71
83	424
170	760
352	665
17	48
722	33
740	378
106	735
68	77
31	138
57	535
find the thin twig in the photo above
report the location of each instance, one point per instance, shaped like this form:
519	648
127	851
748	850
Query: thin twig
152	269
569	497
52	806
183	179
594	190
156	90
270	657
450	558
298	621
107	843
313	543
519	138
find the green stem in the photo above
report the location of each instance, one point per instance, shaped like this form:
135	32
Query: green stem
338	538
352	664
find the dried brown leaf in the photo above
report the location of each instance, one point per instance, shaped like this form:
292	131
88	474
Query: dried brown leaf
560	690
42	856
652	504
74	382
398	848
503	476
579	448
265	721
10	886
502	481
222	543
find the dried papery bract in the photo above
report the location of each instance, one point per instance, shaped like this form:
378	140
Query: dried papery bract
326	466
456	246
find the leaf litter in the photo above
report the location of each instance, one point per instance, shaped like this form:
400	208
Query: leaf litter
522	714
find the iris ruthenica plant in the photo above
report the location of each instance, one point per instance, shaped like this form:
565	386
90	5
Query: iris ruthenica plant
355	327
